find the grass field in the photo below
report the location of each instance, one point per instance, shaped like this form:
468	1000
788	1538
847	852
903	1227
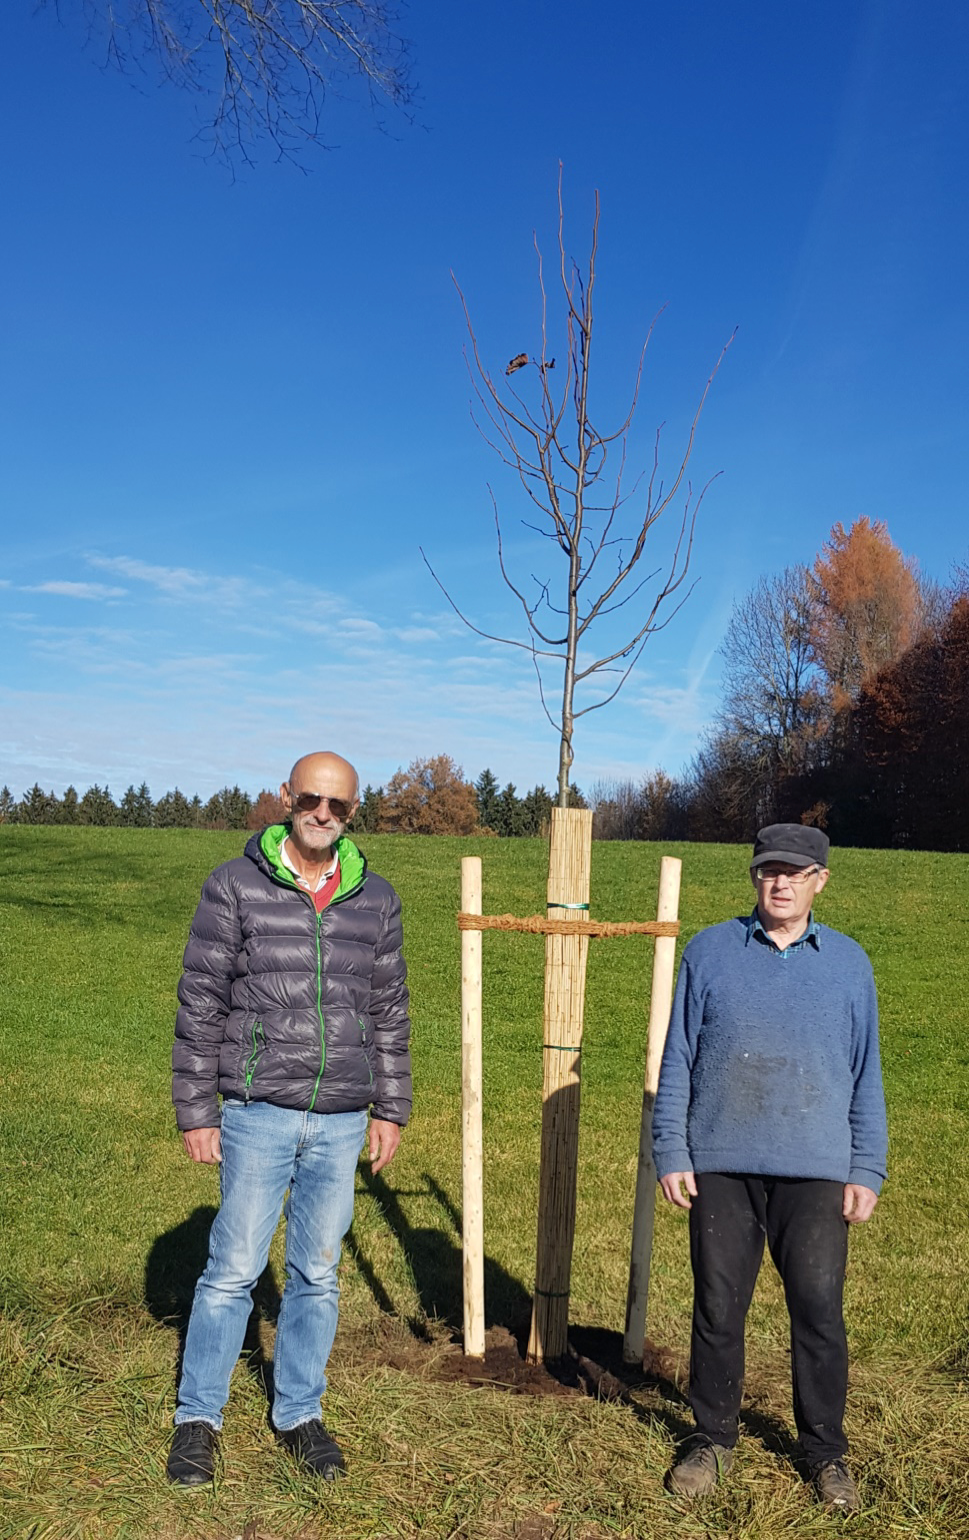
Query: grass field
104	1223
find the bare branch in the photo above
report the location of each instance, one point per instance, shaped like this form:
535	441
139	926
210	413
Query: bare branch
264	67
556	726
489	636
529	613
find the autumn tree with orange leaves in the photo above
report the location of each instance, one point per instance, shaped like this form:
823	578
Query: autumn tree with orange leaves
267	809
864	598
430	797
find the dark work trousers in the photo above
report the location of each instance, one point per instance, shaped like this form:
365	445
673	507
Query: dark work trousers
807	1235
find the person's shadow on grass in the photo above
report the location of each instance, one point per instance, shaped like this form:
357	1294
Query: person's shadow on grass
173	1268
434	1257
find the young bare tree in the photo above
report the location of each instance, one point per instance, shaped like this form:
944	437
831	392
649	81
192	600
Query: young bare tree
265	67
546	433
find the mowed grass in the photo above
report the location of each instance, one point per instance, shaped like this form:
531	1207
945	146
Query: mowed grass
104	1222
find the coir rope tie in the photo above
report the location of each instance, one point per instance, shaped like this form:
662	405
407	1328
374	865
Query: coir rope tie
540	925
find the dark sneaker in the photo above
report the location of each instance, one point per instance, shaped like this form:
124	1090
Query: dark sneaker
696	1473
313	1447
835	1487
191	1459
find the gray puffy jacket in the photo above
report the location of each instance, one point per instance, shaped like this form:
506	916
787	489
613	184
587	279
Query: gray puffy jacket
279	1004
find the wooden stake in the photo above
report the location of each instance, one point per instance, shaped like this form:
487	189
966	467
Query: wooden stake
472	1147
661	998
570	860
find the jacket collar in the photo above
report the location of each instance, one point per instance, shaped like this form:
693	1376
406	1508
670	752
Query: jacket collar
264	850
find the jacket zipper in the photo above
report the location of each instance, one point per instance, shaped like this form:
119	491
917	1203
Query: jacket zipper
337	899
253	1059
319	986
319	1003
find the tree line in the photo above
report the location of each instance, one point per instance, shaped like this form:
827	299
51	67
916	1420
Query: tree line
229	808
430	797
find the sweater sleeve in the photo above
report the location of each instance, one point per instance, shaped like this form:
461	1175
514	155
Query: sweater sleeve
204	994
670	1151
869	1134
389	1006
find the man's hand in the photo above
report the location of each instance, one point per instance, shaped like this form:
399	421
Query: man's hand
673	1186
859	1203
384	1139
203	1144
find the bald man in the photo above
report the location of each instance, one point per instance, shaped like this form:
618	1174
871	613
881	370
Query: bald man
294	1014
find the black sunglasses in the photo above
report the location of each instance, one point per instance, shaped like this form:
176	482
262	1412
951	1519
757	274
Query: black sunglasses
309	801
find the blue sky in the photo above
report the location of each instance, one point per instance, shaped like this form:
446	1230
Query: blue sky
234	408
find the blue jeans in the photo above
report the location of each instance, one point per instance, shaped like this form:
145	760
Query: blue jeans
265	1151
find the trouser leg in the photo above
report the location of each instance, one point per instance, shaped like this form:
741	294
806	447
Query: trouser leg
258	1148
727	1235
319	1211
808	1239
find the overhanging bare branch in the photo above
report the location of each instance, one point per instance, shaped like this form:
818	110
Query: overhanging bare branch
261	69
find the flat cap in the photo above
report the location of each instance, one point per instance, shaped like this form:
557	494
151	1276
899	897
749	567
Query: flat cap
796	843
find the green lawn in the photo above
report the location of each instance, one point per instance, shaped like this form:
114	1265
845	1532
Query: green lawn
104	1221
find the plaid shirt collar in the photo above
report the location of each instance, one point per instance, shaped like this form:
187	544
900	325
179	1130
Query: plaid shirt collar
756	928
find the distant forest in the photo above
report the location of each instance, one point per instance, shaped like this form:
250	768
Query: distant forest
430	797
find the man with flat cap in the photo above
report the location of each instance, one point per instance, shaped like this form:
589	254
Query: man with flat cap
769	1125
294	1014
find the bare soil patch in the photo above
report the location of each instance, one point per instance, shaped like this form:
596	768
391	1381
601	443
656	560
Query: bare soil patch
593	1365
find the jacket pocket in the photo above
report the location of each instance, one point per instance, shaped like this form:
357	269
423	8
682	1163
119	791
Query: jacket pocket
258	1044
366	1037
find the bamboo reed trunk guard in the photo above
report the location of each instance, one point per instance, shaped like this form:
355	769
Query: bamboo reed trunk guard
570	860
472	1146
661	997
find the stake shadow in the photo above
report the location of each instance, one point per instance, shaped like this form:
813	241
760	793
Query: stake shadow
172	1269
599	1356
434	1256
597	1352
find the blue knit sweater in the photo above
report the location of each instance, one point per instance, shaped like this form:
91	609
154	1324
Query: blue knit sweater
771	1064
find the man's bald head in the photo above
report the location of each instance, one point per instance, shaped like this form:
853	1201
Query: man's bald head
333	790
324	765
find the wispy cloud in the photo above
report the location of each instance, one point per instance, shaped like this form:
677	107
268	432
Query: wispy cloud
188	688
68	590
177	582
416	634
361	627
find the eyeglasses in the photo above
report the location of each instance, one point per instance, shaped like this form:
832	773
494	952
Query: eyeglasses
772	873
309	801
